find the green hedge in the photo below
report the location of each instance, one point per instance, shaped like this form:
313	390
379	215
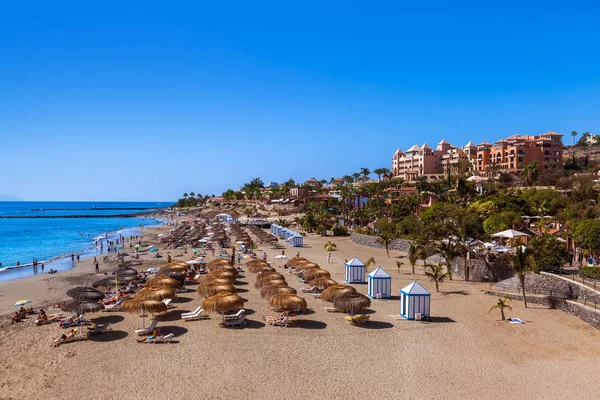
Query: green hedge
590	272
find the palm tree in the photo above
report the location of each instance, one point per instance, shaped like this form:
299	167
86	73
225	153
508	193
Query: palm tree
348	179
573	134
385	239
422	252
330	246
192	194
356	176
449	251
365	172
530	173
413	255
386	173
379	172
436	274
522	263
399	265
185	195
501	305
370	261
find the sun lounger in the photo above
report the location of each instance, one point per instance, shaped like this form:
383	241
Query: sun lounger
331	309
237	315
516	321
196	315
149	329
317	295
310	290
113	307
241	322
167	302
51	319
192	312
159	339
76	322
98	329
71	337
277	321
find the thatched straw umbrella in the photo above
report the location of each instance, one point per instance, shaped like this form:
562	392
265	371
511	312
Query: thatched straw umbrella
255	266
144	305
164	281
125	271
287	302
268	275
306	265
332	292
211	290
268	291
269	282
264	269
218	261
223	302
224	267
85	306
155	293
213	280
85	293
109	282
174	269
322	283
295	261
222	275
351	303
315	273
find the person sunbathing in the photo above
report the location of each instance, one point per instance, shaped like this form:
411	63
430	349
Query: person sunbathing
155	335
16	318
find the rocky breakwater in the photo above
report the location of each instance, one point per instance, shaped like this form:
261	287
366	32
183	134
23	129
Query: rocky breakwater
371	241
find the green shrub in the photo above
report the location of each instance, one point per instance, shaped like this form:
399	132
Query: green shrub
589	272
340	231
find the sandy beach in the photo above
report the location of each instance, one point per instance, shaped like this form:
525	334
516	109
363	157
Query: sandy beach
465	353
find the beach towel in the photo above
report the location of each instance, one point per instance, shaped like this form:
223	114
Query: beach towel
516	321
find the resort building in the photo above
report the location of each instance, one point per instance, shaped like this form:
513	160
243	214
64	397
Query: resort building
510	155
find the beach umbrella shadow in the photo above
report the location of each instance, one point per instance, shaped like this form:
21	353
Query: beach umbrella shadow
307	324
108	319
170	316
109	336
375	325
182	300
175	330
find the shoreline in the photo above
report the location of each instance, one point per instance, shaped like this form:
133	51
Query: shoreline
62	262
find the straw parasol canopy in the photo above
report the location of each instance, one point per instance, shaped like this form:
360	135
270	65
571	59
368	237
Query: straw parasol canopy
224	267
109	282
295	261
332	292
265	269
125	271
306	265
269	282
86	306
351	303
85	293
213	280
268	275
287	302
144	305
223	302
164	281
155	293
255	266
315	273
322	283
211	290
222	275
268	291
218	261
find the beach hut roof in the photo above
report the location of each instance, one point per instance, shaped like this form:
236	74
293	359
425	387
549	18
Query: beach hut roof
510	234
355	262
379	273
415	288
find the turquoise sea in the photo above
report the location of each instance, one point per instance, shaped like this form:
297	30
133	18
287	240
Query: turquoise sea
51	240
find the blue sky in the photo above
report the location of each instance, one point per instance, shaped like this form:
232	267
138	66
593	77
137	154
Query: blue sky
146	100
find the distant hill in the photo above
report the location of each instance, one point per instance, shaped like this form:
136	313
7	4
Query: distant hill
593	153
8	197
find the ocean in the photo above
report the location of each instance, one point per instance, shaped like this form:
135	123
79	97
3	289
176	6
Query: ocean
52	240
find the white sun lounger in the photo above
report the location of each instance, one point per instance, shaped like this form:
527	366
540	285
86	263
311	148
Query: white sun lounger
114	306
167	302
237	315
196	315
241	321
148	329
331	309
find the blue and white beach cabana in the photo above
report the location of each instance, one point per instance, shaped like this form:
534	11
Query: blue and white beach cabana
297	240
380	284
278	230
274	228
414	299
356	271
282	233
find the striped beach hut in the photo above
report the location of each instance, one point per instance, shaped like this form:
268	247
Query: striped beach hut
356	271
297	240
278	230
282	233
380	284
274	228
414	299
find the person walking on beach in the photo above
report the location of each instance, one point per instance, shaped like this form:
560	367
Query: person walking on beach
328	257
42	268
97	266
265	257
77	257
72	257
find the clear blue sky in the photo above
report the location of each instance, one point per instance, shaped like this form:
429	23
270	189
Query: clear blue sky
143	101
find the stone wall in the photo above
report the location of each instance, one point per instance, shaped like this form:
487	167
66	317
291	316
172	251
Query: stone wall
552	285
371	241
586	314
